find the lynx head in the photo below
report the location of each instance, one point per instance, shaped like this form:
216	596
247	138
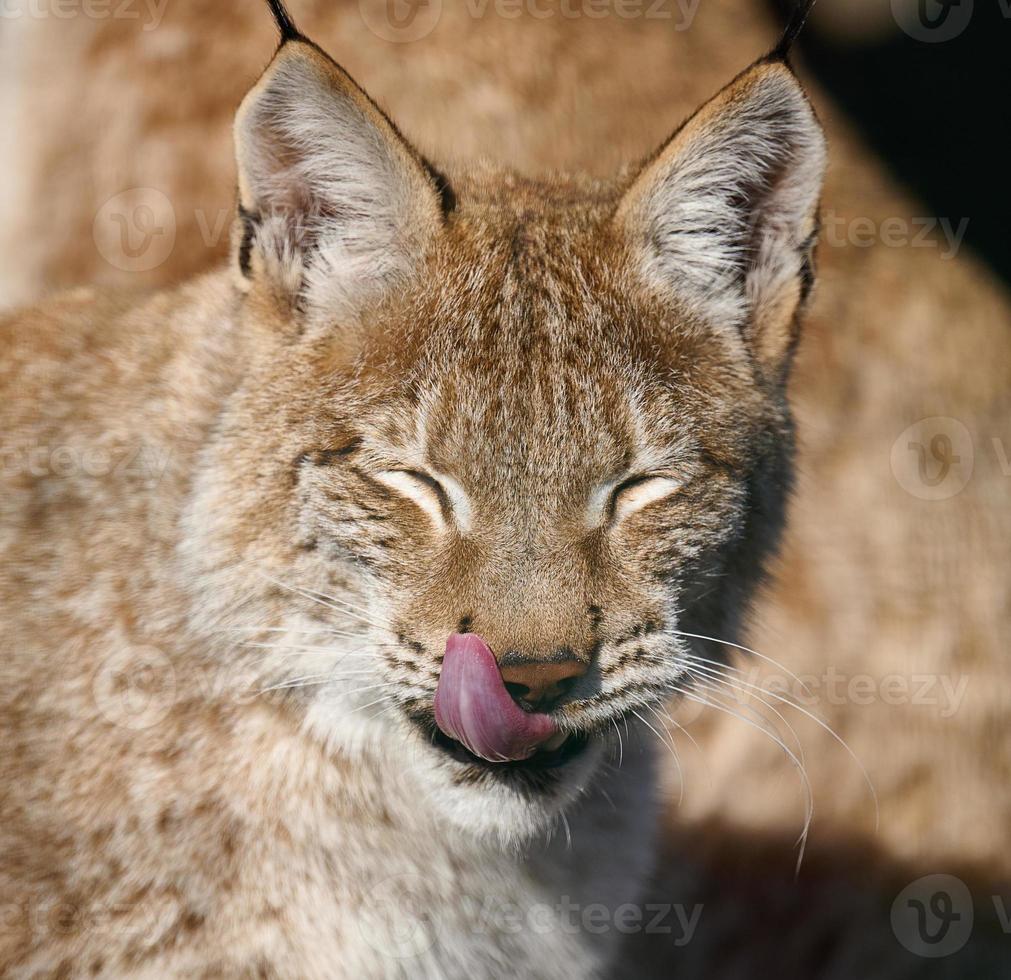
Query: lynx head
504	443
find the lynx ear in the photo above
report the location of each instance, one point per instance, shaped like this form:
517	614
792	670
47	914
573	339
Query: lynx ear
336	208
724	217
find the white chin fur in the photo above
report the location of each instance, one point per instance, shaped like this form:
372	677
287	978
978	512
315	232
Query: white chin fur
499	810
490	810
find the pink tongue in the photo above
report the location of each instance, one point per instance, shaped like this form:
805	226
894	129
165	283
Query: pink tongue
473	706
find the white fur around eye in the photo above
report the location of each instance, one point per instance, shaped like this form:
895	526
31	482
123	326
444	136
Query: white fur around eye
440	498
642	493
459	500
418	491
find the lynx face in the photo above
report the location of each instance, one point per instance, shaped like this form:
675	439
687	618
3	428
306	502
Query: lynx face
545	416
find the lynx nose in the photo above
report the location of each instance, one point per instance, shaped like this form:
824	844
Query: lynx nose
542	683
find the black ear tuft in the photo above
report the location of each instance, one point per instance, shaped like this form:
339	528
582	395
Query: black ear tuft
289	32
781	52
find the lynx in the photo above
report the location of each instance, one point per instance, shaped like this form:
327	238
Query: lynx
407	520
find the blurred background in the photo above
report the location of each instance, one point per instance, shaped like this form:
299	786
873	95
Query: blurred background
928	84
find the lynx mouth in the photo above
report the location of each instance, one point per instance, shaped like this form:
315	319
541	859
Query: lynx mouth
474	707
551	755
477	723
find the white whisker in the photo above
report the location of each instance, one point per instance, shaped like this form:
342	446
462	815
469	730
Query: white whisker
327	602
673	751
748	690
386	697
273	629
568	830
304	648
621	747
754	653
294	682
821	723
805	782
656	714
698	748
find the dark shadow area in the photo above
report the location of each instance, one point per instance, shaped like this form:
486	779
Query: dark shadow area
832	921
938	113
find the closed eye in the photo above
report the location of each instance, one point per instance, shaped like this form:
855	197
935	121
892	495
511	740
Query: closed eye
638	492
442	499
